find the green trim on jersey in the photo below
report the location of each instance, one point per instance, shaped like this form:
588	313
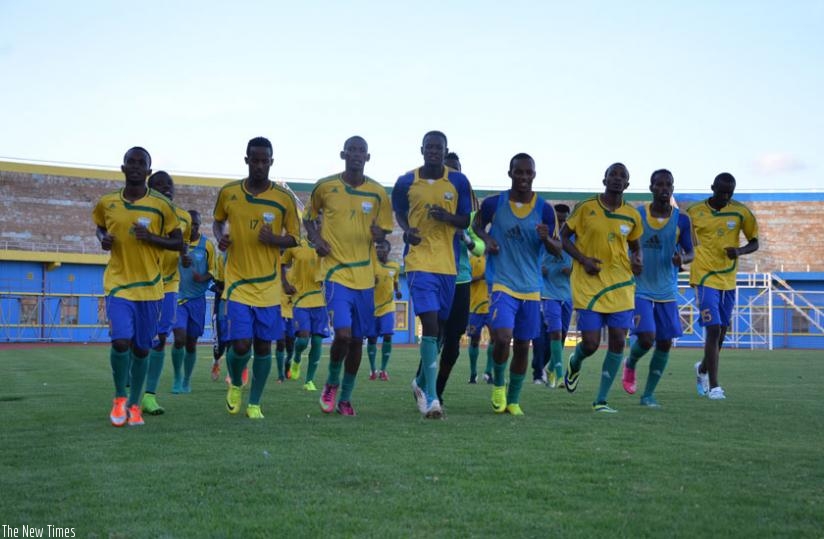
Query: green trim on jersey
344	265
721	272
304	296
153	282
272	277
608	289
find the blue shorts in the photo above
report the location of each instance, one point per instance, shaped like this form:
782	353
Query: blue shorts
247	322
658	317
289	327
315	320
384	325
522	316
168	312
477	321
350	308
714	305
191	316
431	292
592	321
133	320
557	314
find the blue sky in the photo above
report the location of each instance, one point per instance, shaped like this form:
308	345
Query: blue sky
697	87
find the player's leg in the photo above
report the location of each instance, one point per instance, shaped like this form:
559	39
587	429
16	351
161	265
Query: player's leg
618	324
589	325
454	329
527	325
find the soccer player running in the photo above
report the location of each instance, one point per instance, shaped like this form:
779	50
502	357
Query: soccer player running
432	204
717	224
522	225
195	277
309	306
556	311
136	224
348	212
456	325
606	230
161	182
262	219
666	244
387	273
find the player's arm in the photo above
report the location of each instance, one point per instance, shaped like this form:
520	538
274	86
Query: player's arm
685	252
482	218
547	231
287	286
735	252
590	264
106	240
172	242
400	205
312	227
636	256
267	237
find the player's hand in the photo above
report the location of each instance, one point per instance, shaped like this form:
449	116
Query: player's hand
288	288
322	248
732	252
141	232
676	260
591	265
106	242
636	263
398	294
411	236
378	234
224	243
492	247
185	261
439	213
267	237
543	231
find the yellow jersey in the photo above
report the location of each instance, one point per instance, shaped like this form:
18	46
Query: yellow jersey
713	231
347	214
171	276
604	234
478	290
134	270
386	276
252	271
303	264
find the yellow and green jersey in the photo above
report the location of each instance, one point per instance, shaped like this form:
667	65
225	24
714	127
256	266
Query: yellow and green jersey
478	290
604	234
134	270
347	214
170	259
713	231
304	265
252	270
413	196
286	305
386	276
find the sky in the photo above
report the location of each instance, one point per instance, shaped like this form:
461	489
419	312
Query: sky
698	87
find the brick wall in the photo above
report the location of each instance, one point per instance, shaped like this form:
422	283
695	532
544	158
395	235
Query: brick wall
49	212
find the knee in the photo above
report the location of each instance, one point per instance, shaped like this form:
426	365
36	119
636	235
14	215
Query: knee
121	345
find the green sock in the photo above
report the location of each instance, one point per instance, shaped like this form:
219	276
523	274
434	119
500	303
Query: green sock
155	367
177	363
513	392
290	351
314	357
235	365
577	357
429	365
333	378
386	353
120	371
499	374
139	366
371	352
280	357
490	361
612	362
636	353
300	345
347	386
474	352
261	367
556	362
656	369
189	366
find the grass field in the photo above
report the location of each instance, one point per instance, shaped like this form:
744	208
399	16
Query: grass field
750	466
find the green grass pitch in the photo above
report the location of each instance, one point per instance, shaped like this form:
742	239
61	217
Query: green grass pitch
750	466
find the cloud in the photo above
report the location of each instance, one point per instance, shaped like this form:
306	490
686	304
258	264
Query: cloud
769	164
